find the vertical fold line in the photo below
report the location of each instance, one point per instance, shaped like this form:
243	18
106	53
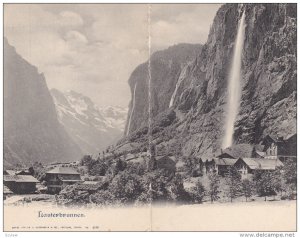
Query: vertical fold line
149	97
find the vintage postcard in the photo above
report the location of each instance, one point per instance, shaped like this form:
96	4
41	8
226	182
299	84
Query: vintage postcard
150	117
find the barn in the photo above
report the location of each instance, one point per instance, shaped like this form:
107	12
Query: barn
21	184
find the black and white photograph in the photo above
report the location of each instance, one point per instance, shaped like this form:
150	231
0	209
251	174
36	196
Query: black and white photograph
150	117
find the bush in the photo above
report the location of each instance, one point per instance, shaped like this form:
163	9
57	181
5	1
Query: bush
86	160
103	197
98	168
126	187
264	183
192	166
136	168
290	172
155	187
120	166
178	193
198	192
247	188
71	196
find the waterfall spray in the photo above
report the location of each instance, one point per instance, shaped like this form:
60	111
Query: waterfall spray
180	79
132	110
234	87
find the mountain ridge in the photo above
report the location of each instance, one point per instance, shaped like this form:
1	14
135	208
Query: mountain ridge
194	124
31	129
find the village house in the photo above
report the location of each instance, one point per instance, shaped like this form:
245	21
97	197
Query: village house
229	156
27	171
20	184
241	151
60	177
247	166
222	165
91	186
280	148
6	192
9	172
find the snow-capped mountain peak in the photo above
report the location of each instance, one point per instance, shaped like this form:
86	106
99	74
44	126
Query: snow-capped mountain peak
92	128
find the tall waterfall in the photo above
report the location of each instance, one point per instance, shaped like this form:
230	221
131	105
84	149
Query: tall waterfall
131	113
234	86
180	79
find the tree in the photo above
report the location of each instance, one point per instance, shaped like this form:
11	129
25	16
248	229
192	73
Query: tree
247	188
120	166
290	176
86	161
99	168
155	187
277	181
264	183
136	168
126	187
178	192
152	163
214	185
103	197
198	192
233	181
192	166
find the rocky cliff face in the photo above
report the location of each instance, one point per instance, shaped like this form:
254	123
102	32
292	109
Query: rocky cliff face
166	67
92	128
31	129
198	112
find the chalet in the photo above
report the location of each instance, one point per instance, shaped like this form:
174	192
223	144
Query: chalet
239	151
21	184
6	192
29	171
247	166
60	177
222	165
280	148
9	172
166	162
91	186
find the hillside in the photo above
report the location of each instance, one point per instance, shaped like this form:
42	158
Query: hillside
166	66
31	129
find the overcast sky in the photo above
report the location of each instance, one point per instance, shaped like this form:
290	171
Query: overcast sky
93	48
